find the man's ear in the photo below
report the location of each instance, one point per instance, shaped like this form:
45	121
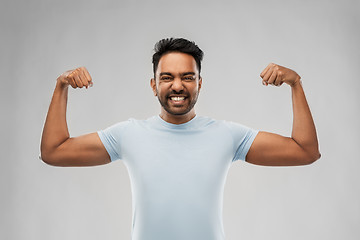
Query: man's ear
153	86
200	83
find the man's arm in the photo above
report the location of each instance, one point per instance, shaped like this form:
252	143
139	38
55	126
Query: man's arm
57	148
301	148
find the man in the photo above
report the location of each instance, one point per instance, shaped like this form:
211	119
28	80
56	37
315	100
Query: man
178	161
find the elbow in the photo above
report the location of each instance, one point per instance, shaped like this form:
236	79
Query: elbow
45	158
48	157
313	157
45	153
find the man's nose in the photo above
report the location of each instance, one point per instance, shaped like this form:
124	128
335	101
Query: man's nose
177	85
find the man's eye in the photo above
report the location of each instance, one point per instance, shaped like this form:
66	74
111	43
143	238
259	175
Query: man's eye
166	78
191	78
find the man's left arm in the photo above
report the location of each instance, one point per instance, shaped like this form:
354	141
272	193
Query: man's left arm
301	148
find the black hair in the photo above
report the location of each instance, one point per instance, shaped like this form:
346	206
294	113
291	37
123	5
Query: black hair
176	45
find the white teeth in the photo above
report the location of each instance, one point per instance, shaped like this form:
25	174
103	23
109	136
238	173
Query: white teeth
177	98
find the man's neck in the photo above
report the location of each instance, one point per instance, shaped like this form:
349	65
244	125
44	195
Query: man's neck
177	119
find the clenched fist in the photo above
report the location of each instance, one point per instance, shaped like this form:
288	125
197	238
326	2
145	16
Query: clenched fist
77	78
276	75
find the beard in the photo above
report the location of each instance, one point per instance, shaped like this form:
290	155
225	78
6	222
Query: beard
178	109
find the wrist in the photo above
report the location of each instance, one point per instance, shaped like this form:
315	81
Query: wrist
297	82
61	84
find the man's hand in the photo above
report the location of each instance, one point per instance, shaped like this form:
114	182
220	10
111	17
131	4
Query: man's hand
77	78
276	75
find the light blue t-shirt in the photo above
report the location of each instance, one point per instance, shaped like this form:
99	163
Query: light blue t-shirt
177	173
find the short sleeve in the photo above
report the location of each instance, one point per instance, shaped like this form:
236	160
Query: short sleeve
243	137
111	138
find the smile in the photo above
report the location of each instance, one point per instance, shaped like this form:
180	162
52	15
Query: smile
177	99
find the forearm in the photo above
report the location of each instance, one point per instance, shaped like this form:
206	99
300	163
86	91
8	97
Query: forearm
303	131
55	130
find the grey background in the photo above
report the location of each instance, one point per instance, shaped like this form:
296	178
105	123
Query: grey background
114	40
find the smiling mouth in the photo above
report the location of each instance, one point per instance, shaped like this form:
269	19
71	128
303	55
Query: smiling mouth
177	99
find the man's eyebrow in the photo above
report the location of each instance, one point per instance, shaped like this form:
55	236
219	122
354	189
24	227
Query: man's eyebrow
182	74
165	73
187	73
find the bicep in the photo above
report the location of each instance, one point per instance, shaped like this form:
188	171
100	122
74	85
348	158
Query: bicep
85	150
270	149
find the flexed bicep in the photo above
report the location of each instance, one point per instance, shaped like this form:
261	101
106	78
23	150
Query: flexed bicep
270	149
85	150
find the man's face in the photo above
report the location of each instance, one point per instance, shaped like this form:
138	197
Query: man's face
177	83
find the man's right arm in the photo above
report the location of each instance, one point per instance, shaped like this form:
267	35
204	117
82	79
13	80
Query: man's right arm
57	148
